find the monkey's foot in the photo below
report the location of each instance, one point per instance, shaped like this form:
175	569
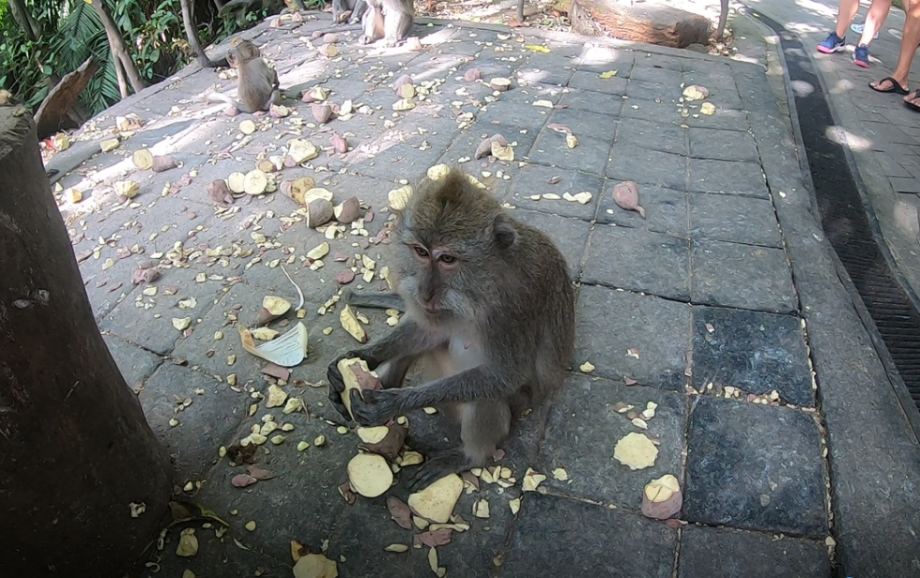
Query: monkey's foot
445	463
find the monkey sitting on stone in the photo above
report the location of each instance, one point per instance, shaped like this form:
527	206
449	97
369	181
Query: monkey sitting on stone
353	10
489	301
258	86
387	19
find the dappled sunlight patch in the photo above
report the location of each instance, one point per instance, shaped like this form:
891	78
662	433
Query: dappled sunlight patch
842	86
801	89
906	217
845	138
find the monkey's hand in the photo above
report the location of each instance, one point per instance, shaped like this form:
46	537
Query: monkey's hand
376	408
337	383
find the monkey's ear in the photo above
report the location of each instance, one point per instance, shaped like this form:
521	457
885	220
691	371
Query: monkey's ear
504	231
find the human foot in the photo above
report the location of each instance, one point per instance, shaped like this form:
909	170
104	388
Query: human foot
912	100
888	84
861	56
832	43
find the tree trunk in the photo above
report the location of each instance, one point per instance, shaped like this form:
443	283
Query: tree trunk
117	44
23	17
119	75
75	449
652	24
723	16
191	33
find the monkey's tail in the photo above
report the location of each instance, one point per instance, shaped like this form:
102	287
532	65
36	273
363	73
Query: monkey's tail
216	96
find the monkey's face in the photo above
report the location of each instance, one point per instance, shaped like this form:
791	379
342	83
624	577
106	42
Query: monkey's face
430	276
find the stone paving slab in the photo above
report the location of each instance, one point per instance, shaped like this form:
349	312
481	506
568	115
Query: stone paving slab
710	254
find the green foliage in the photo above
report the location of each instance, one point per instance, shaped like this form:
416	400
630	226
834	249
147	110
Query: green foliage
72	32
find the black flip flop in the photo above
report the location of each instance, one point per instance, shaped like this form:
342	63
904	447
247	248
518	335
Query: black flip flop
895	86
913	105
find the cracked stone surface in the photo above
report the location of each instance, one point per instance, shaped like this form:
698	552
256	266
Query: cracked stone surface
709	254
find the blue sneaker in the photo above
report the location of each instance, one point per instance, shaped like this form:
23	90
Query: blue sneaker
833	44
861	56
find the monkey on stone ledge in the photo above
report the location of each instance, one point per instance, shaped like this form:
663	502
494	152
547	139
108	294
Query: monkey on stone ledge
258	86
488	299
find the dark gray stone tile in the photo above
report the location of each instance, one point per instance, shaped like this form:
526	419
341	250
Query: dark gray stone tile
655	75
599	59
209	422
582	430
313	493
601	126
552	71
649	109
570	235
729	177
725	99
152	327
742	276
723	119
669	138
902	185
735	219
589	156
665	210
627	335
516	109
607	104
471	553
729	553
886	132
653	91
533	179
726	145
370	519
631	163
755	351
608	542
666	61
714	79
639	260
736	479
586	80
135	363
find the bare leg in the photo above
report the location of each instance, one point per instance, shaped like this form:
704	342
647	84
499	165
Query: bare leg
878	12
910	38
845	14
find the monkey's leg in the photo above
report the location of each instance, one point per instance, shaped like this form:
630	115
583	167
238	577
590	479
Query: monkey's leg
375	300
373	25
483	426
358	12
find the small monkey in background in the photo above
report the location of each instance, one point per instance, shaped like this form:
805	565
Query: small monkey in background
387	19
353	10
489	300
258	86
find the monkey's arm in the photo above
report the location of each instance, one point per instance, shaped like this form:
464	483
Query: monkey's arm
474	384
398	349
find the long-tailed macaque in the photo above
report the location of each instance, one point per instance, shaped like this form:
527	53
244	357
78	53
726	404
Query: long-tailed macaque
489	299
258	86
353	10
387	19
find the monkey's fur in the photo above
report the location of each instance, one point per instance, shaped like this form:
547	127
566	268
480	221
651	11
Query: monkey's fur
387	19
258	86
353	10
489	300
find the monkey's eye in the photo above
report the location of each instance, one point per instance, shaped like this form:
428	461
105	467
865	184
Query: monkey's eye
421	252
447	259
